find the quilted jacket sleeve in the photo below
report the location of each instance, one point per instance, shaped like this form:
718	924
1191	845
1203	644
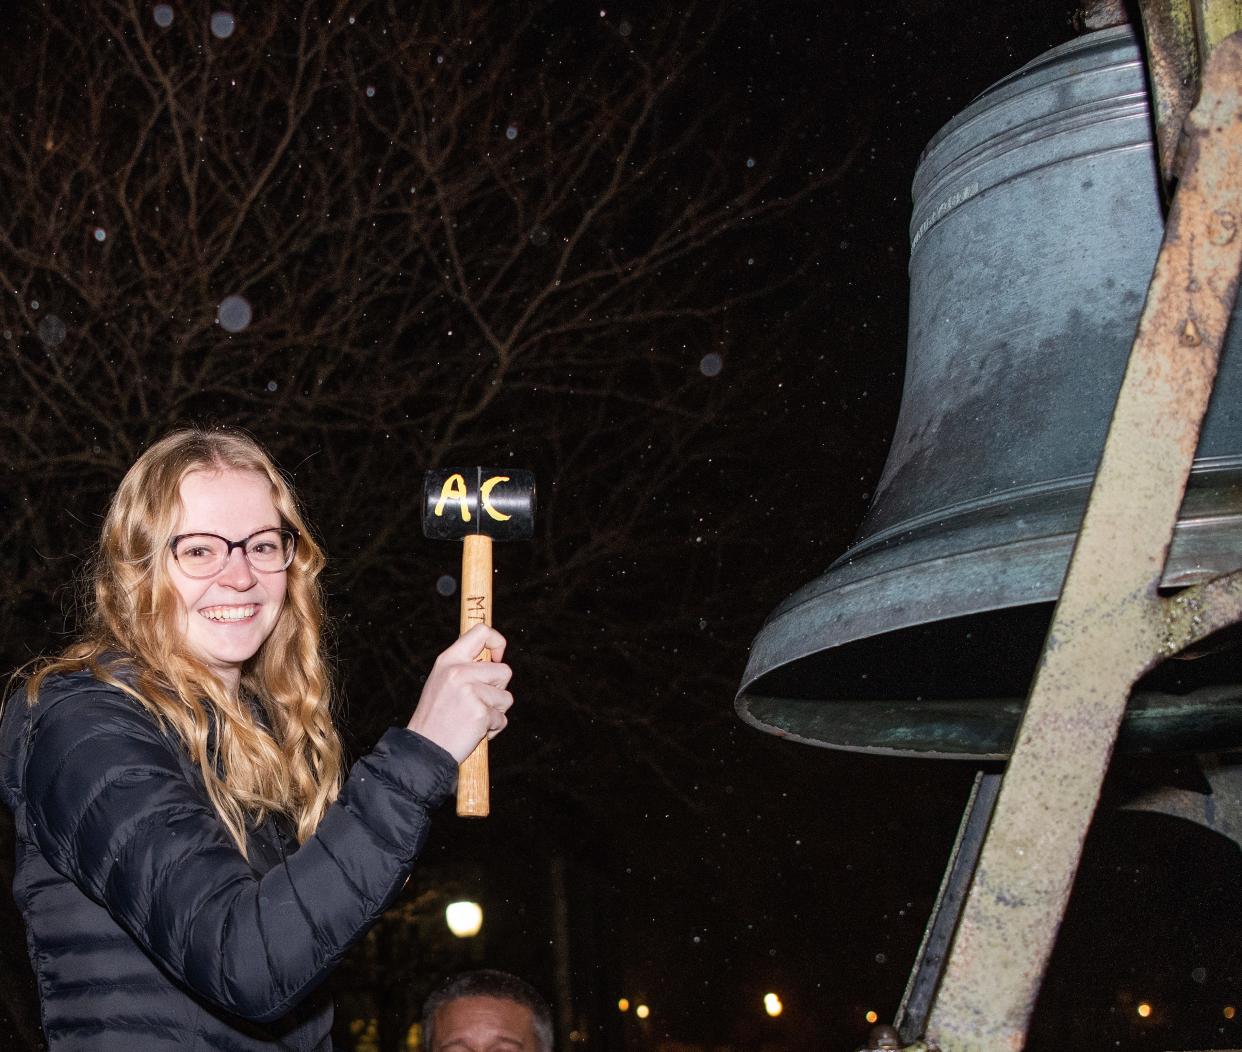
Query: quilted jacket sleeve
111	809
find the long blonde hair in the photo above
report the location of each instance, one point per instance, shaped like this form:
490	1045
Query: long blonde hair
134	640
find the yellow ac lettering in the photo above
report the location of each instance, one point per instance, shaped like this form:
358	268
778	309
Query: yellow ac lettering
454	488
485	497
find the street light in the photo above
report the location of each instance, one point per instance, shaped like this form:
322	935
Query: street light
772	1005
464	918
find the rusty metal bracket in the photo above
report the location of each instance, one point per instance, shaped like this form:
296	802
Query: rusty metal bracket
1110	623
1218	809
916	1002
1179	36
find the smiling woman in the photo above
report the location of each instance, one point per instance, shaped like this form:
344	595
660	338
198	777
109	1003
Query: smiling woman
191	864
231	591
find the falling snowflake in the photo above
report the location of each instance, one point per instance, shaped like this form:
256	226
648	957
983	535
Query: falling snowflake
52	331
234	313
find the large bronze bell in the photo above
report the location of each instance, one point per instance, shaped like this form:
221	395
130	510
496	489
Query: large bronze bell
1037	220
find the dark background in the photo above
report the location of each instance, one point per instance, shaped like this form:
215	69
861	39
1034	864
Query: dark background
643	843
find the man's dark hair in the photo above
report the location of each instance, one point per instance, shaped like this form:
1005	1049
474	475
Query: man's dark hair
488	982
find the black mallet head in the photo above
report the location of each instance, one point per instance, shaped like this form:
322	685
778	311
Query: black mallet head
493	502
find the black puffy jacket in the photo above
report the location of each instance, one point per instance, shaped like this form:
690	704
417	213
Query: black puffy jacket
147	929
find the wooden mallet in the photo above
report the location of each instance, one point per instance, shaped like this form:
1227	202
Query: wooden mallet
477	506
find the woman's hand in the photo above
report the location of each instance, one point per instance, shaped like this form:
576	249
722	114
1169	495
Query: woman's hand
465	699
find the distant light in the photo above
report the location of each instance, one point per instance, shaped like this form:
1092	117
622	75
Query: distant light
623	1005
464	918
1144	1009
1229	1011
222	25
642	1011
772	1005
872	1016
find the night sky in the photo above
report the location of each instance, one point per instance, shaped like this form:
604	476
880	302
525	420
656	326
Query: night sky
698	464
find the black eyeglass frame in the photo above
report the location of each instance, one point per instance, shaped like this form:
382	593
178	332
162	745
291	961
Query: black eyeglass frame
288	531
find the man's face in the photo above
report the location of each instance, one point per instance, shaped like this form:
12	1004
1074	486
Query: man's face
485	1024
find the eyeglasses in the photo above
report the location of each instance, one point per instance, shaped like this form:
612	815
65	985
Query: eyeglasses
206	554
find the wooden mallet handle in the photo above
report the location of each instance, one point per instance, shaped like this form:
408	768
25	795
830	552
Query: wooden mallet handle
473	788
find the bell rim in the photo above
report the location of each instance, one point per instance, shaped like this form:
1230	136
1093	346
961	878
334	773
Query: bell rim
1155	723
1207	541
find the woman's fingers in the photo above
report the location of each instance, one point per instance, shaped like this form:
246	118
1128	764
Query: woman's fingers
495	698
471	643
492	673
464	699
